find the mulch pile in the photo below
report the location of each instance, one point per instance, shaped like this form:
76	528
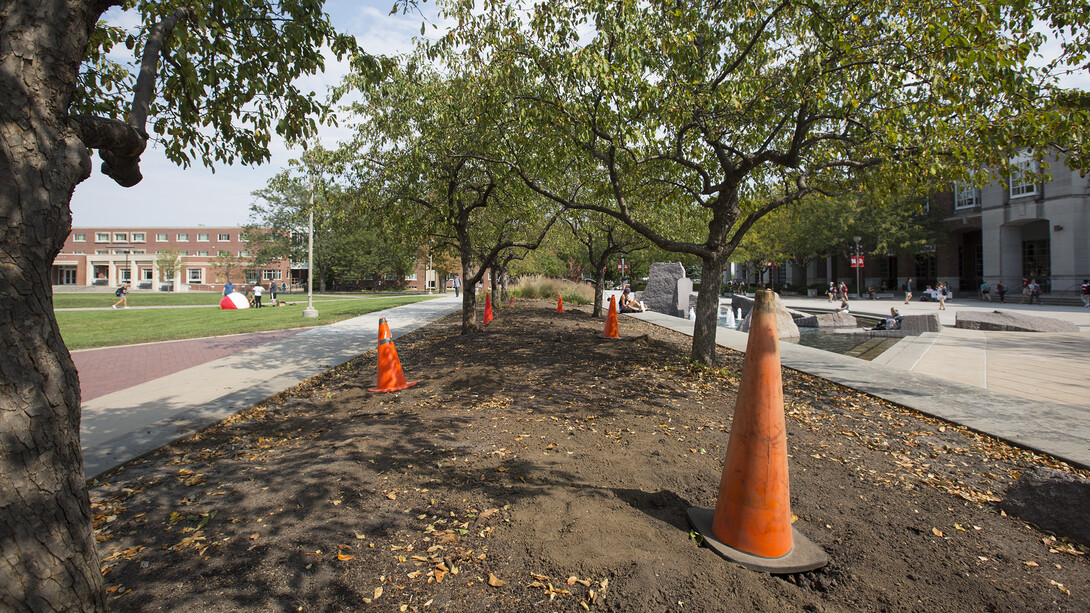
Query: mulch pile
539	467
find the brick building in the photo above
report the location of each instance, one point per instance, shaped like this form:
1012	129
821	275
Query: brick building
113	255
109	256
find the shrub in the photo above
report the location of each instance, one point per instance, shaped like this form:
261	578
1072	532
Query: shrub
545	288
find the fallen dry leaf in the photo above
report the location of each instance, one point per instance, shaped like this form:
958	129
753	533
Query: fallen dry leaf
936	532
495	581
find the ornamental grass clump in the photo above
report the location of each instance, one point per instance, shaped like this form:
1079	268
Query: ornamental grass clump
546	288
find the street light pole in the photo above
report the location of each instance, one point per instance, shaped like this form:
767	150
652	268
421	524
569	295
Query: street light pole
310	311
128	266
858	271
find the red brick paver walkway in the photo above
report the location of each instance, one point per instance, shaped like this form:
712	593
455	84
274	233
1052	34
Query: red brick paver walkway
108	370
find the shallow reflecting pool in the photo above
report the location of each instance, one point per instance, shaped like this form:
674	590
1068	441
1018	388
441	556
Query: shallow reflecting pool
865	348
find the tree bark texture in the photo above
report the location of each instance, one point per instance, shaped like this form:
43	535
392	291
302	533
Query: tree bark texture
48	556
599	292
707	309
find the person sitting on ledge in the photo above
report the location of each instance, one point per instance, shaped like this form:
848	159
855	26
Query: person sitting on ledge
630	304
843	305
893	322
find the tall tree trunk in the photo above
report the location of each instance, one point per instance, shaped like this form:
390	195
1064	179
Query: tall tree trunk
505	282
707	309
494	281
599	288
469	292
48	556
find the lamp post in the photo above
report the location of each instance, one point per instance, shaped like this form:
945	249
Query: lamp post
128	267
310	311
858	270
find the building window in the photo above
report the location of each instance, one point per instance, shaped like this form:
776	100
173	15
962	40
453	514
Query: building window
926	269
1037	261
124	275
146	273
243	254
202	254
78	252
121	237
411	277
1021	180
271	275
137	252
253	276
138	237
202	237
101	251
391	276
194	275
161	237
121	251
102	237
80	236
183	237
966	196
223	236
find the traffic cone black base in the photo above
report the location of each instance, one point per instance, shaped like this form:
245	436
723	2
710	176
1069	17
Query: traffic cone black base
804	554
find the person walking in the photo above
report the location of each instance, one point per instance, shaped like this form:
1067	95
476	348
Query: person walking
272	294
122	294
1002	291
985	292
1086	293
228	288
1035	292
908	290
457	285
831	292
258	289
943	293
1026	294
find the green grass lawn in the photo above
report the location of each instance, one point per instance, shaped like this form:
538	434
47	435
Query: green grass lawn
104	300
87	329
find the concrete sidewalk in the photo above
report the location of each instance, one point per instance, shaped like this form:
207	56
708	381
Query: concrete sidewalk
1059	430
120	426
1037	367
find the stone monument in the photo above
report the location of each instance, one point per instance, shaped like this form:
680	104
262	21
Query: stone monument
684	289
785	323
661	292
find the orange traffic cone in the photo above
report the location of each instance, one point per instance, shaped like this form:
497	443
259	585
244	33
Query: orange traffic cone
390	376
751	523
559	303
487	307
512	303
611	320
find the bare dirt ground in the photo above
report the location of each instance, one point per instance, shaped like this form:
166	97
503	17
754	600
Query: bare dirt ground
539	467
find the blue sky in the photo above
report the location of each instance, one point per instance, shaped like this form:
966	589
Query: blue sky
172	196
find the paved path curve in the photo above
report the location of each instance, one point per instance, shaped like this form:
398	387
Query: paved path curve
110	369
124	424
1059	430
